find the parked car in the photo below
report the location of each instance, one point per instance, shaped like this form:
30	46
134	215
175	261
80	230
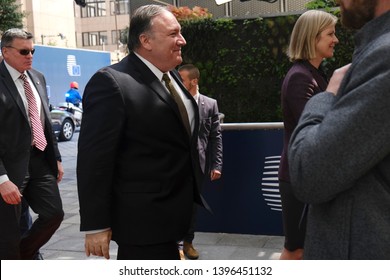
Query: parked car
64	123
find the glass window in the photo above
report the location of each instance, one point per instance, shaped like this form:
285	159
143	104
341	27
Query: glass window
94	38
86	39
94	8
103	38
119	7
115	34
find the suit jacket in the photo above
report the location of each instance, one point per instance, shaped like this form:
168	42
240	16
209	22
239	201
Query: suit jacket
210	135
138	170
302	82
340	156
15	136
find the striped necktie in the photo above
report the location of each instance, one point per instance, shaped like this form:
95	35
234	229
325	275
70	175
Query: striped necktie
39	138
179	102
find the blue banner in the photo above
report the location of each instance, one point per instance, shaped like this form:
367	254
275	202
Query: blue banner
246	198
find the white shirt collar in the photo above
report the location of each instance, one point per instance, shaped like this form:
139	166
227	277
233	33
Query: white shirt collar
196	97
152	68
186	101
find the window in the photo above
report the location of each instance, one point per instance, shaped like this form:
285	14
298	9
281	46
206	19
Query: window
94	8
119	7
121	35
94	38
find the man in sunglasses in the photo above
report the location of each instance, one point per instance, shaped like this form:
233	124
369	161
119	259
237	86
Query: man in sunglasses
30	162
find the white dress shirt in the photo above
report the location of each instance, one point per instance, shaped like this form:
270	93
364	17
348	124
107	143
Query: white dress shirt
187	102
15	74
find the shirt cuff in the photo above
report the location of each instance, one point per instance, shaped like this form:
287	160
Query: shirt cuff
4	178
96	231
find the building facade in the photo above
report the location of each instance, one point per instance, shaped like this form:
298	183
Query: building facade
99	25
52	22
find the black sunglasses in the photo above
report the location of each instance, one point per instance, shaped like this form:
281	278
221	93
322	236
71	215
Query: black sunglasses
23	51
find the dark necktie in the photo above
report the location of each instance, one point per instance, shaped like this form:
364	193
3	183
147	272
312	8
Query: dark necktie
179	102
39	138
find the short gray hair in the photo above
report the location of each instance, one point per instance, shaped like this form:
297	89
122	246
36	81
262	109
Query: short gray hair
9	36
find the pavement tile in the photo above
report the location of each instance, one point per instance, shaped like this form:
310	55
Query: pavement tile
68	242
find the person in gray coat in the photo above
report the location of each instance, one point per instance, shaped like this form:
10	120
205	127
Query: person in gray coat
339	154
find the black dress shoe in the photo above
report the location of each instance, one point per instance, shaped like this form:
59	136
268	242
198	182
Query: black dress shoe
38	256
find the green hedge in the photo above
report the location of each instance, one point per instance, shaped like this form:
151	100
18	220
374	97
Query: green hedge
243	62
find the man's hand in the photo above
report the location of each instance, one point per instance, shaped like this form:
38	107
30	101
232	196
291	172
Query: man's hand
60	171
336	79
215	175
10	193
98	244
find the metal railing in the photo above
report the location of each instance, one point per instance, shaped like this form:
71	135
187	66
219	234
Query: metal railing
252	126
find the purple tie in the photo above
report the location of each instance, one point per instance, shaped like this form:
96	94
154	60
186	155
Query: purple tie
39	138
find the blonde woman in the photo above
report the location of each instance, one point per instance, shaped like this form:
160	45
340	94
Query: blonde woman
312	40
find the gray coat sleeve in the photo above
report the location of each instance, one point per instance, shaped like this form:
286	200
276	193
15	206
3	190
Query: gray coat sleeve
340	139
215	140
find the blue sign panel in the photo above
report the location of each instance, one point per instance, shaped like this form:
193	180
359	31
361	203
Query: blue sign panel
61	66
246	199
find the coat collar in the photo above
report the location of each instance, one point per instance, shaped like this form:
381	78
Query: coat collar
9	83
141	72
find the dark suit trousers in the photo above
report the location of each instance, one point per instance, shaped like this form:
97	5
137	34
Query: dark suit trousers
25	217
294	218
9	231
190	235
41	191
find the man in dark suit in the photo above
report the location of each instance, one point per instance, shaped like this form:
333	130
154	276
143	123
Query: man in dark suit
209	142
138	172
30	162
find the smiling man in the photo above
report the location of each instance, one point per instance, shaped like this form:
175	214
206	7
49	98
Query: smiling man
339	154
138	172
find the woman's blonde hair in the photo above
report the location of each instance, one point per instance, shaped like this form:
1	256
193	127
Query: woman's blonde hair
305	32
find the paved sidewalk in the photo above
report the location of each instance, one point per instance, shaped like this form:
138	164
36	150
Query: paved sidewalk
68	243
